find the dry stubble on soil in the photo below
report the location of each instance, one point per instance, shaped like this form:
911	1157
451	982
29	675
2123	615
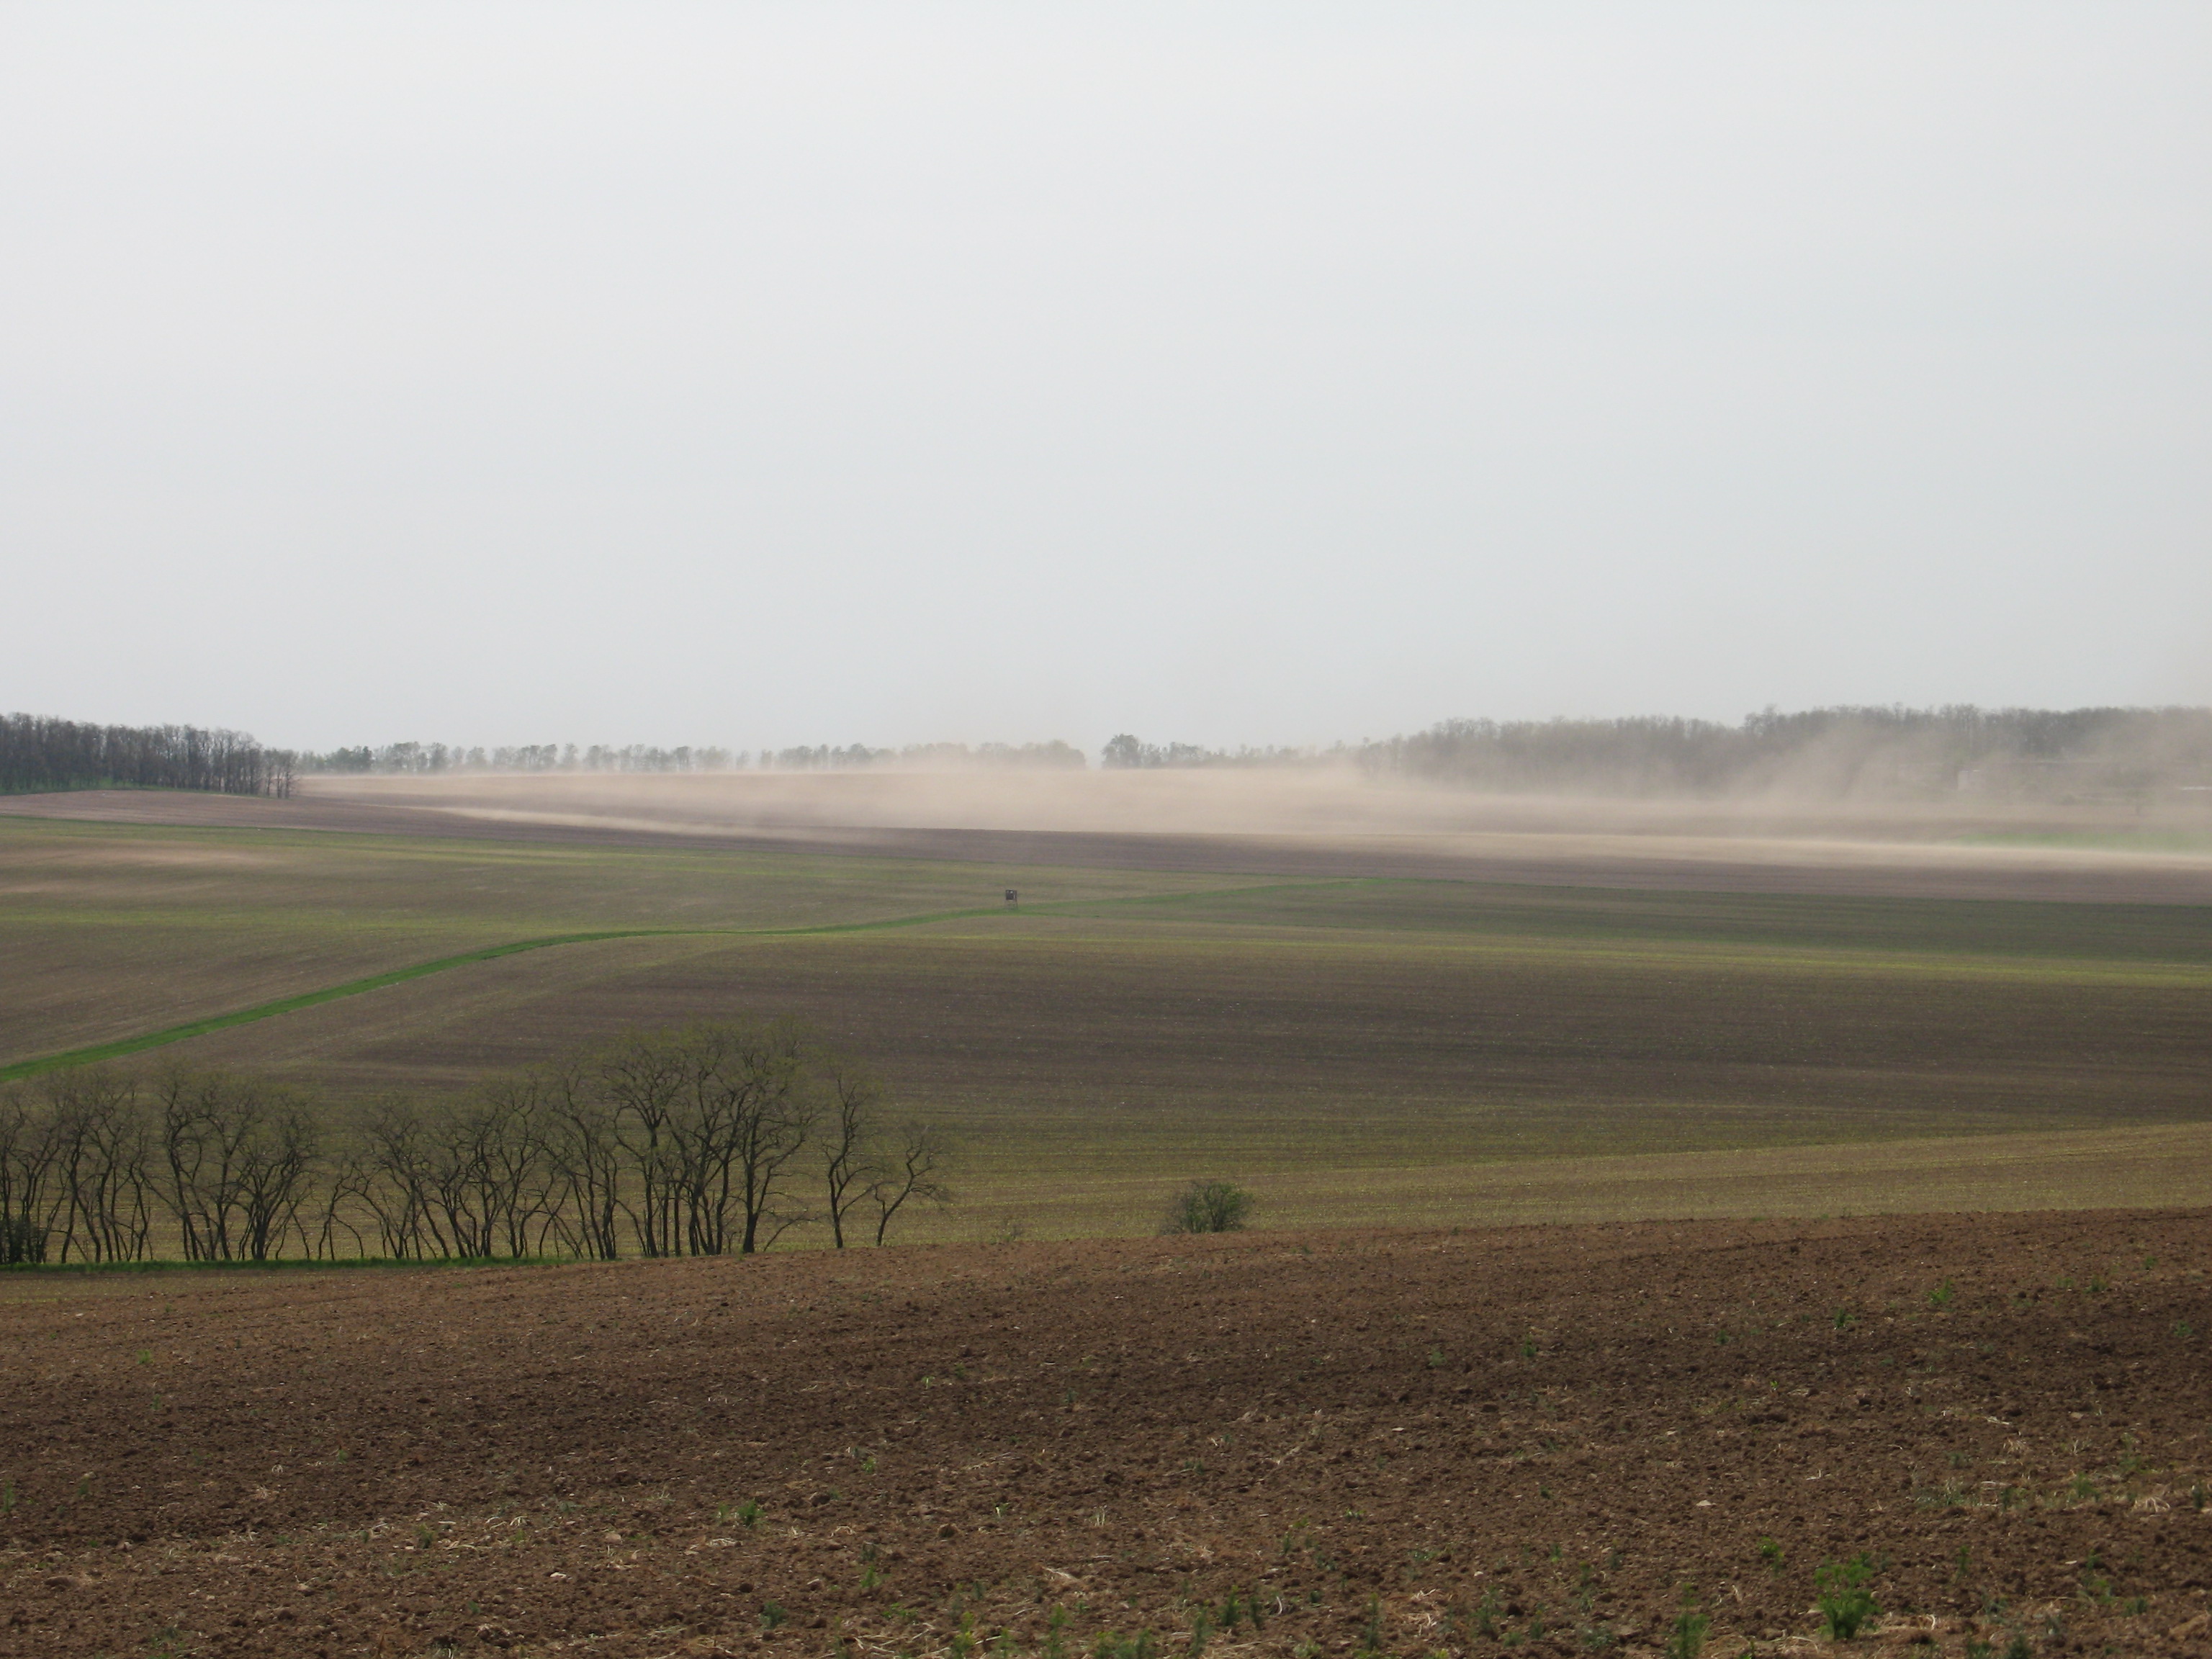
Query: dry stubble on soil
1551	1440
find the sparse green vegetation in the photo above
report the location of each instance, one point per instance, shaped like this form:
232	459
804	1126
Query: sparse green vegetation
1687	1639
1209	1207
1846	1604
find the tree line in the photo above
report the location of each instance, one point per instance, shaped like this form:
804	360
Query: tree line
713	1139
411	758
414	759
1832	751
38	751
1826	751
1127	752
1835	751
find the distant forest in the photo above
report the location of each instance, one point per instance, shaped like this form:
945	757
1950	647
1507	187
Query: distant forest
1822	751
40	752
1834	751
404	759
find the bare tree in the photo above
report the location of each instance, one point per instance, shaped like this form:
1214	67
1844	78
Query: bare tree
27	1154
487	1171
702	1124
240	1157
913	1170
642	1079
850	1167
347	1180
98	1201
746	1116
776	1122
584	1157
395	1180
867	1165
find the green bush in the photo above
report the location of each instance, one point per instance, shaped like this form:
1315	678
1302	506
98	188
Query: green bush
1209	1207
23	1242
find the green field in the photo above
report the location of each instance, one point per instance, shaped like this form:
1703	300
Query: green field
1355	1050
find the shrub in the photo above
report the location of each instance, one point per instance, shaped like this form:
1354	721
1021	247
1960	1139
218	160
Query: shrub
21	1241
1209	1207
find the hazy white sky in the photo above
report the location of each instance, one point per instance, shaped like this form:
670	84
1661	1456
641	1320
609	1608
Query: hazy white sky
1267	373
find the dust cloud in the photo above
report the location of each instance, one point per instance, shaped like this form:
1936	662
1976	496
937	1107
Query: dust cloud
1338	820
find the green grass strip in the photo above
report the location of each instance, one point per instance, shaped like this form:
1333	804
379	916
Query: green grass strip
353	988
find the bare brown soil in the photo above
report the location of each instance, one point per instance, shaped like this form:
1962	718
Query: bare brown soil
1555	1439
1848	859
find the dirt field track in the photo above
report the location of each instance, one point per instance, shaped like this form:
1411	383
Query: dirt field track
1559	1440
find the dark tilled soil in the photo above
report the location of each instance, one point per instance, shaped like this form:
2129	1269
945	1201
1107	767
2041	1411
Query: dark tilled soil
1562	1440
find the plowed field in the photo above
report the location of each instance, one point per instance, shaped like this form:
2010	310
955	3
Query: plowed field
1562	1440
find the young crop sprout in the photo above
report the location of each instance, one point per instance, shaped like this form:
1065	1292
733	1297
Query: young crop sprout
1846	1604
1687	1640
1370	1638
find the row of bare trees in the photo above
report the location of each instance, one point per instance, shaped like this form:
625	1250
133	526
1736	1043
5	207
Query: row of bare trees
711	1141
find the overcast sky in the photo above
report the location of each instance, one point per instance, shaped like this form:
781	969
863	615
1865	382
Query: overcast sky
1268	373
